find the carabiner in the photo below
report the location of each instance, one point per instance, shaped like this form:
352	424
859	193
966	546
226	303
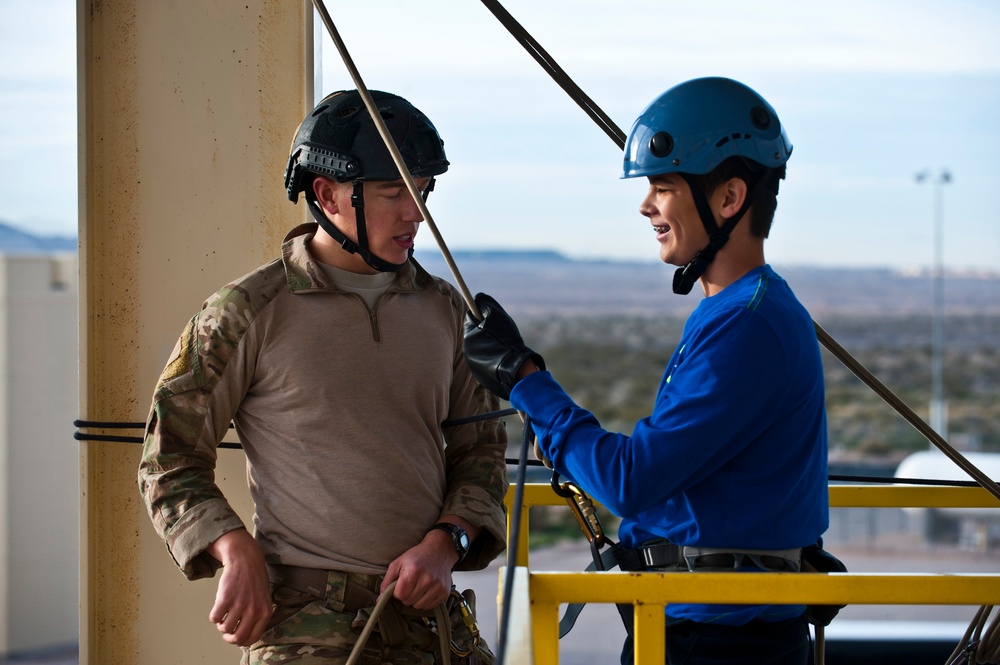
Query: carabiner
470	622
583	509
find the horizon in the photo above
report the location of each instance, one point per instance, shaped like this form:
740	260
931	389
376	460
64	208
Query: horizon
425	254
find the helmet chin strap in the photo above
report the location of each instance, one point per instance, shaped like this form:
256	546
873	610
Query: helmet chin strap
361	246
686	276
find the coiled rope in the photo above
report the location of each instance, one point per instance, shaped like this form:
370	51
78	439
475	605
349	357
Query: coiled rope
981	642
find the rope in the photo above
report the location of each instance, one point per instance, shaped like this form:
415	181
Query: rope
513	542
110	438
819	655
397	158
979	646
560	77
542	57
904	481
440	614
900	407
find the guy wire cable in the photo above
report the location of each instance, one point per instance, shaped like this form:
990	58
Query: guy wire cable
859	370
900	407
397	158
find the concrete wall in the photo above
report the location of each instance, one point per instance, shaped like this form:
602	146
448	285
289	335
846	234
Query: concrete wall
39	478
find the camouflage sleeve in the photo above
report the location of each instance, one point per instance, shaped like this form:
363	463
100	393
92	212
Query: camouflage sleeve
189	416
477	473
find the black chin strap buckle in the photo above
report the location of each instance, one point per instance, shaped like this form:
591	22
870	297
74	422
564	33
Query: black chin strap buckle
686	276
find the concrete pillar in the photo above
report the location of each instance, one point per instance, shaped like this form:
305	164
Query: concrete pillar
186	112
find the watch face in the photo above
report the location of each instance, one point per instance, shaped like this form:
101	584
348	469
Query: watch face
458	536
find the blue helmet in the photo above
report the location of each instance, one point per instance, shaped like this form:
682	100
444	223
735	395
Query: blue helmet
694	126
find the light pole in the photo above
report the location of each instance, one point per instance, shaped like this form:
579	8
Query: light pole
938	406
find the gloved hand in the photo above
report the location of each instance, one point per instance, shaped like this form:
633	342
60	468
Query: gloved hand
494	349
540	456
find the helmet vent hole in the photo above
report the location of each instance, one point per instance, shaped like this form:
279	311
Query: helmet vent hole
319	110
346	111
760	118
386	114
723	141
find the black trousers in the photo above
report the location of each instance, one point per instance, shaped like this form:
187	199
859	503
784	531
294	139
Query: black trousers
756	643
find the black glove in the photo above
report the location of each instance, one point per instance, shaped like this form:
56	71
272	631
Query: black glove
494	349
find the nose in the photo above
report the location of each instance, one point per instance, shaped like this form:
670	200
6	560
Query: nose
411	211
646	208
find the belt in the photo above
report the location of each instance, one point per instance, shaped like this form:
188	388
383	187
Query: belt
662	554
341	591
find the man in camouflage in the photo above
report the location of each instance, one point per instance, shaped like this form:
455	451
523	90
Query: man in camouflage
338	364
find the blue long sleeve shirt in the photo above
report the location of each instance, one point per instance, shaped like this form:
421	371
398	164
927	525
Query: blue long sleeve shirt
734	453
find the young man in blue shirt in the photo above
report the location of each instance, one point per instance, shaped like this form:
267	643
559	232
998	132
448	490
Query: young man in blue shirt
730	469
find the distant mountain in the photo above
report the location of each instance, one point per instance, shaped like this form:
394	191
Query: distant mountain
16	241
507	255
546	282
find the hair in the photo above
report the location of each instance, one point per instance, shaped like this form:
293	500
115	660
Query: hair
764	202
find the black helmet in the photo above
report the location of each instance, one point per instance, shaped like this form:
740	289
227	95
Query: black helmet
339	140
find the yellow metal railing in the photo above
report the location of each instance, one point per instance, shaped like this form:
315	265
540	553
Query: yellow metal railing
651	592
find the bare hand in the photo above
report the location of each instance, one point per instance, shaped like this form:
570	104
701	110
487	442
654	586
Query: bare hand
423	572
243	600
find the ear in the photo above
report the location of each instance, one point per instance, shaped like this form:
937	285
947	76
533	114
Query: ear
731	195
325	191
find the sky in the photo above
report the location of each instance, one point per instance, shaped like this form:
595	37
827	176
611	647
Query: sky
870	94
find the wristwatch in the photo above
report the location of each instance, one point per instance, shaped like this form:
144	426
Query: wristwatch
458	536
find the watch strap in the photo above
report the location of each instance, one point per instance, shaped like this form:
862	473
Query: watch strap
459	538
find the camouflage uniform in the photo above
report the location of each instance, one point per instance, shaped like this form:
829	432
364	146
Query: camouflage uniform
306	630
313	381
